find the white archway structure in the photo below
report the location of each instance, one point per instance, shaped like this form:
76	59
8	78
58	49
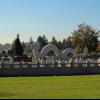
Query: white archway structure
67	51
49	47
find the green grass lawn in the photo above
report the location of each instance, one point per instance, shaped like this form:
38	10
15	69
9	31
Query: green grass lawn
50	87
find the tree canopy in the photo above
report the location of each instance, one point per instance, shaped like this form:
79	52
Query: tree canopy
87	36
84	36
43	41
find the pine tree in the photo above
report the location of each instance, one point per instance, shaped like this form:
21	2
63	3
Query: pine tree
17	47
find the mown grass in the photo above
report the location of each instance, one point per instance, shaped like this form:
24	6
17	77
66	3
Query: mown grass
61	87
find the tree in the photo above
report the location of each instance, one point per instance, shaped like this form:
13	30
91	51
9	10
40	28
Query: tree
64	44
59	45
87	36
69	42
31	41
43	41
23	45
78	49
3	54
54	41
17	47
28	50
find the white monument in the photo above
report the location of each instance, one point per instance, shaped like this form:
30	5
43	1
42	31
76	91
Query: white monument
50	47
85	51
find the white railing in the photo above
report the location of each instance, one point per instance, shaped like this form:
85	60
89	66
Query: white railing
48	68
52	64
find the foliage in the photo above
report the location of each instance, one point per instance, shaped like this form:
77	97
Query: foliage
17	47
3	54
69	42
43	41
54	41
59	45
23	45
78	49
28	50
64	44
84	36
87	36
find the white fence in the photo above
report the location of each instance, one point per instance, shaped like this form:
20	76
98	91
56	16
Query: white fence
54	68
48	64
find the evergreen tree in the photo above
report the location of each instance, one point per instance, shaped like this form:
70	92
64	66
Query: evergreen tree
59	45
17	47
64	44
54	41
43	41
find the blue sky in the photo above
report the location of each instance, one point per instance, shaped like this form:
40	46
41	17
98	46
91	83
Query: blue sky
31	18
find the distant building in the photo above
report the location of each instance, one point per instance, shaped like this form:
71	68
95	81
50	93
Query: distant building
5	47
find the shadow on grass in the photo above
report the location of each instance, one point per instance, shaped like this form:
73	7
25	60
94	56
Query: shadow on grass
7	94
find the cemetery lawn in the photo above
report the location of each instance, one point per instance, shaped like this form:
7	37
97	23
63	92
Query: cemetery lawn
53	87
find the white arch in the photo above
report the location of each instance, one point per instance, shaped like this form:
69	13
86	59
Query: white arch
67	51
49	47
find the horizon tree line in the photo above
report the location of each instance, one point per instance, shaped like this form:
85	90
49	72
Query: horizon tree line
84	36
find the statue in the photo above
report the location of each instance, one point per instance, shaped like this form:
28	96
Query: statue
85	52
